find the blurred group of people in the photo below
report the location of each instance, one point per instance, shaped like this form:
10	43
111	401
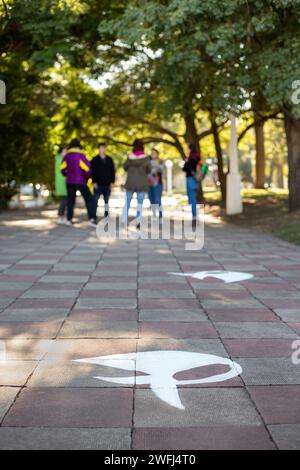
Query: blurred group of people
94	179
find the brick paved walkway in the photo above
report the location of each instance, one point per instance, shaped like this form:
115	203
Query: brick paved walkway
65	296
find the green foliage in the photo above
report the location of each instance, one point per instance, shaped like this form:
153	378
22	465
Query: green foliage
171	68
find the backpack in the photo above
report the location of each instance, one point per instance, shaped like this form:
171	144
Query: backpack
198	174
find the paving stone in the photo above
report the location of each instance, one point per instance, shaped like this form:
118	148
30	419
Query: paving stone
168	304
48	294
103	315
108	294
43	303
177	330
14	285
117	286
214	294
163	294
295	327
101	303
172	280
283	304
7	397
26	349
254	330
99	329
5	302
71	408
202	438
286	436
108	275
178	315
205	346
258	347
15	373
64	439
63	279
203	407
74	267
278	294
269	371
33	315
277	404
51	373
71	349
289	315
249	303
242	315
29	330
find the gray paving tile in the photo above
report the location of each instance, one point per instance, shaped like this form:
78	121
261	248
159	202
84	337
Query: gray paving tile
286	436
165	294
180	315
95	329
7	397
15	285
111	286
64	439
25	272
288	315
63	279
50	373
50	294
254	330
72	408
106	303
5	302
26	349
269	371
33	314
15	373
231	303
205	346
203	407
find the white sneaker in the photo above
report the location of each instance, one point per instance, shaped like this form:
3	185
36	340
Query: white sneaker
68	223
61	221
93	223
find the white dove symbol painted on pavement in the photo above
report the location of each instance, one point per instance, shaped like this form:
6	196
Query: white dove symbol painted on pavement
226	276
160	367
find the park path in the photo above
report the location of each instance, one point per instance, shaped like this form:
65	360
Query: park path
65	296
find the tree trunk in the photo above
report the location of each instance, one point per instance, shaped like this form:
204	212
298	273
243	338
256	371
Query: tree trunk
271	175
260	156
192	137
191	132
219	153
280	182
292	129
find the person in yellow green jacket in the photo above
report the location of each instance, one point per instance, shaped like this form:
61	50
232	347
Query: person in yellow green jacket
61	186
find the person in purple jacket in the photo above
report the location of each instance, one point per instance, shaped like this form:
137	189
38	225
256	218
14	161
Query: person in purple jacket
77	170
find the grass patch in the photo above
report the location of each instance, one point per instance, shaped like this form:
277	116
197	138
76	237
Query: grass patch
290	233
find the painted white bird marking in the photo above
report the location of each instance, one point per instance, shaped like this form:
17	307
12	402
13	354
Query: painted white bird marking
226	276
160	367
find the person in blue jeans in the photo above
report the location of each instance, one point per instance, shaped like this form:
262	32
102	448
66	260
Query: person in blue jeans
192	185
156	183
138	168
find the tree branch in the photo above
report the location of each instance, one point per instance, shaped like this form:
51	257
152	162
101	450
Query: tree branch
5	9
257	122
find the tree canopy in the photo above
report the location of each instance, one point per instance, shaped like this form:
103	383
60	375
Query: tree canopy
170	71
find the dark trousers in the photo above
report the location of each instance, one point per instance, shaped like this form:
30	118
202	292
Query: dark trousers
88	197
104	191
62	206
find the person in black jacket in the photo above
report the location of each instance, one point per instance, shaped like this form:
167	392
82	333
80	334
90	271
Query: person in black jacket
103	175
